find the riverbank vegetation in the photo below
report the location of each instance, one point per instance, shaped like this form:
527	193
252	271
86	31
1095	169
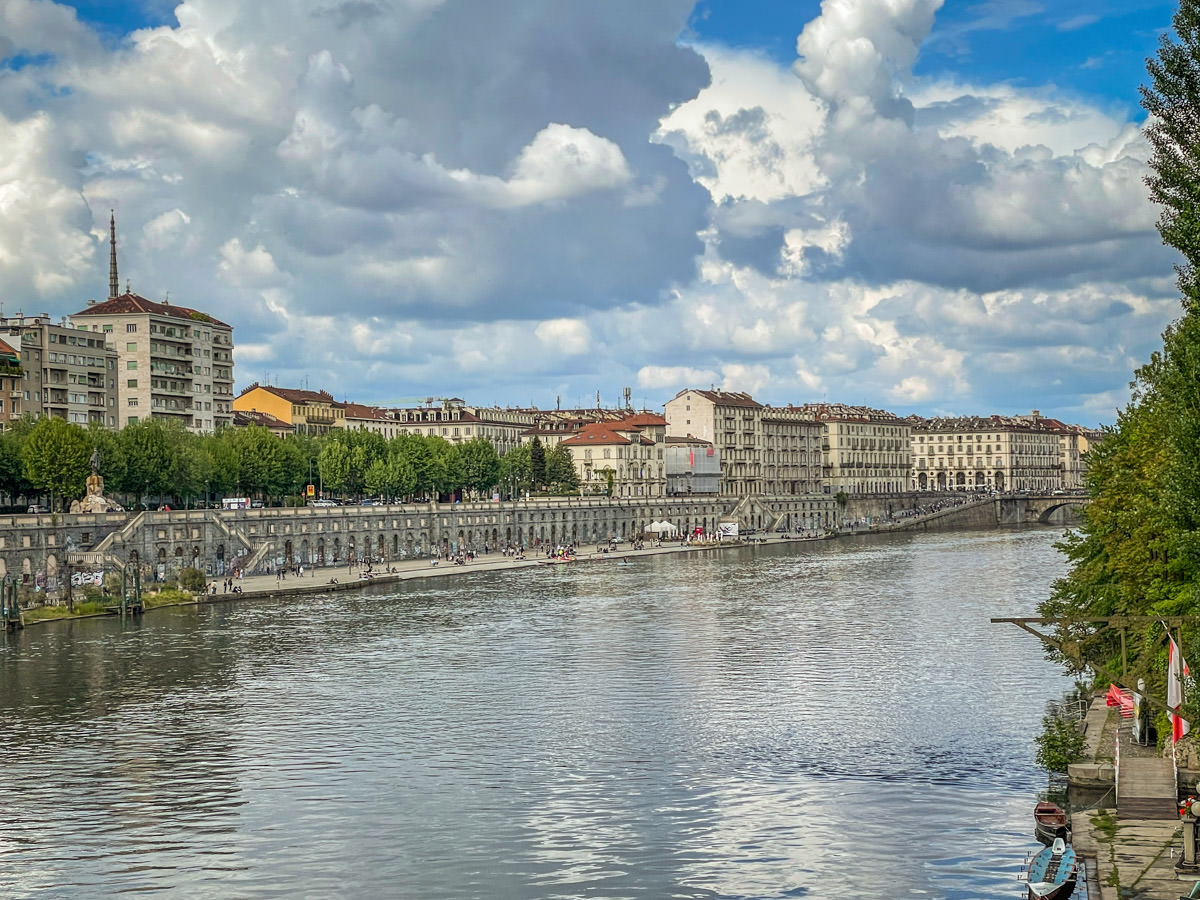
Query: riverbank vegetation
159	462
1138	551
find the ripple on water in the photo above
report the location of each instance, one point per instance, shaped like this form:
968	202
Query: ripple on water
741	727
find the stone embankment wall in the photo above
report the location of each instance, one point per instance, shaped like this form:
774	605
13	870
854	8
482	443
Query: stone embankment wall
41	549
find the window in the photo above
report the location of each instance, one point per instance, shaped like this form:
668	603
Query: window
133	420
131	328
131	365
108	329
131	383
131	347
133	401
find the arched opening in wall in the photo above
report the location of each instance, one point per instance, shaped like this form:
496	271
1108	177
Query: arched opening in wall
574	534
941	481
26	569
195	563
395	546
960	480
178	559
554	534
51	566
288	553
337	550
980	480
380	547
320	551
220	559
3	568
922	482
350	551
508	537
998	480
304	554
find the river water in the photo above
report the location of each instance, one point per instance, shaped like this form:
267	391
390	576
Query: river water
829	720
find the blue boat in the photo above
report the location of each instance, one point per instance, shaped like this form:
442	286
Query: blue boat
1052	872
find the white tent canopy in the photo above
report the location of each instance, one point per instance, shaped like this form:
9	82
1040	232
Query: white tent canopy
663	527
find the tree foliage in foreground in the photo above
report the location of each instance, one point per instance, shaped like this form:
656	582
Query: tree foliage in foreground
1138	550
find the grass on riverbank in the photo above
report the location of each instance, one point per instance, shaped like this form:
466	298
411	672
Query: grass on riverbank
151	600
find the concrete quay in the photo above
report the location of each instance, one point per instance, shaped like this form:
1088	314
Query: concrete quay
1130	839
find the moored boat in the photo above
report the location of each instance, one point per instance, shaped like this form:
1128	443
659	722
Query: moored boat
1050	821
1052	872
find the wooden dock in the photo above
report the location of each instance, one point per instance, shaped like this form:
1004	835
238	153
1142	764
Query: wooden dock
1145	784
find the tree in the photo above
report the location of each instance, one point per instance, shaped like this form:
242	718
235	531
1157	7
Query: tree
515	469
561	474
481	465
148	458
537	463
1173	101
333	462
55	457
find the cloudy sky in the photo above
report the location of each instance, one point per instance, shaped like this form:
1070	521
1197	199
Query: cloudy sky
930	206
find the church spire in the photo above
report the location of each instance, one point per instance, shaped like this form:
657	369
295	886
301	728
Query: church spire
113	286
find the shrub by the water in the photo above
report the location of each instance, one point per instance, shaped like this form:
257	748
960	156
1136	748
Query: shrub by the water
1060	743
192	579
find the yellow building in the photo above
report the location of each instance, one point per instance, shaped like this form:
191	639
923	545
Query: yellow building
308	412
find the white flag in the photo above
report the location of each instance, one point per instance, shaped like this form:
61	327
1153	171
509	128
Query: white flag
1177	670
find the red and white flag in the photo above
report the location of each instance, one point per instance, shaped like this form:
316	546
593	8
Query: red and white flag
1177	670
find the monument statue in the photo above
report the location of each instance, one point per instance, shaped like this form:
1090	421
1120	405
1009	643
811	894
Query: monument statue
94	501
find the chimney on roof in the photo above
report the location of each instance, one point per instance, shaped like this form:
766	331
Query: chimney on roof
114	286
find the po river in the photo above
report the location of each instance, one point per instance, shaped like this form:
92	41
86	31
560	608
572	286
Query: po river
829	720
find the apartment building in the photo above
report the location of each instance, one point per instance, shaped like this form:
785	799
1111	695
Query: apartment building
10	384
622	454
173	362
793	460
307	412
866	451
732	422
1002	453
64	372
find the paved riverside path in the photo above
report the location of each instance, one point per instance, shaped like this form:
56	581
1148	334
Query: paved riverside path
1146	841
317	579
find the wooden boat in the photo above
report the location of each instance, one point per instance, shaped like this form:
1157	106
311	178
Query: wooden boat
1050	821
1052	872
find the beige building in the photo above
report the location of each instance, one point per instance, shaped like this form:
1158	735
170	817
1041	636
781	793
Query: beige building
730	421
793	462
624	451
173	362
866	451
1001	453
65	372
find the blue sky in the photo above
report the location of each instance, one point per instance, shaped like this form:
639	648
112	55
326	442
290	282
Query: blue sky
521	201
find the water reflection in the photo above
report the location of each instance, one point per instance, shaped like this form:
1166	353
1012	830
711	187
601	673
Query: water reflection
744	726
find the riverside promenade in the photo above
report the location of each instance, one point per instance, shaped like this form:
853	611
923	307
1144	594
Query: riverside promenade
323	579
1129	846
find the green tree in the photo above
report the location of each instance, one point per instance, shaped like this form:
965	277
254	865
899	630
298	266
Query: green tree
333	462
481	465
1138	549
55	458
516	470
148	458
561	474
537	463
12	472
1173	99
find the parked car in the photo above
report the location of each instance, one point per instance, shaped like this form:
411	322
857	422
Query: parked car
256	504
37	508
